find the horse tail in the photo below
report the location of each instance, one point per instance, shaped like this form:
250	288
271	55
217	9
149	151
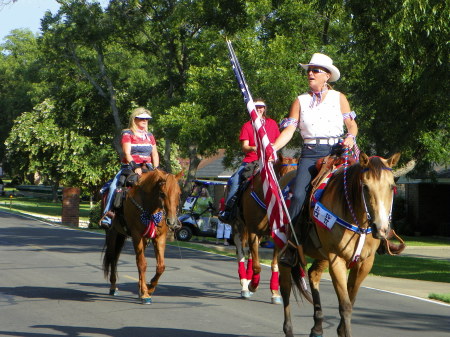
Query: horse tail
111	251
298	278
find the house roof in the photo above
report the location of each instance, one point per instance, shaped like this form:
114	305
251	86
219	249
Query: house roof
212	168
442	177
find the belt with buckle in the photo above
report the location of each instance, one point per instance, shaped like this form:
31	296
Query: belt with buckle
321	141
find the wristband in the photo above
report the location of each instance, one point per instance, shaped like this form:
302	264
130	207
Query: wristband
133	165
350	135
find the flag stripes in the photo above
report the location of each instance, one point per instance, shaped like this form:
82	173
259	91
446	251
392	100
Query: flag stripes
272	194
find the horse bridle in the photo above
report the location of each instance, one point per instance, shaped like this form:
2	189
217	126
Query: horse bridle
366	209
157	216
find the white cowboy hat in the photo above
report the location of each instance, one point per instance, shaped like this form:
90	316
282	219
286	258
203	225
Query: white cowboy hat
324	61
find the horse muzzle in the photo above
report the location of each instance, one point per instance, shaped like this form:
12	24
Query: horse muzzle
173	223
379	231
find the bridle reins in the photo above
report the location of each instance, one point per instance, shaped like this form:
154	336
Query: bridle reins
366	209
362	231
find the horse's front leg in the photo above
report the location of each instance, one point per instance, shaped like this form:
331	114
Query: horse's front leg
159	246
253	245
274	278
139	248
314	275
285	289
338	272
357	275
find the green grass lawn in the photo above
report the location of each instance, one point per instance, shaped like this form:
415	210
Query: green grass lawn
412	268
39	206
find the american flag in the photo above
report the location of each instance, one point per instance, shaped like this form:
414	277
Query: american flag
273	199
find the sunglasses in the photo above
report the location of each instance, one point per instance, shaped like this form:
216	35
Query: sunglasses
315	70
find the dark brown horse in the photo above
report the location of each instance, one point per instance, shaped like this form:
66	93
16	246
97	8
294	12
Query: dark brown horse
149	210
252	225
361	196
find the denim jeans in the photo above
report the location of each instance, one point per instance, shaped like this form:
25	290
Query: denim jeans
306	171
112	192
233	183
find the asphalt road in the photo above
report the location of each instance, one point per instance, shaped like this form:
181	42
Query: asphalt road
51	284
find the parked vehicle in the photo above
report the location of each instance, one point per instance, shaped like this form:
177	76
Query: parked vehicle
195	224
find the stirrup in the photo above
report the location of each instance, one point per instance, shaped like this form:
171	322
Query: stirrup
105	222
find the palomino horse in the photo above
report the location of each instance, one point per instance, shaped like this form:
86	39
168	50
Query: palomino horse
149	210
356	204
251	225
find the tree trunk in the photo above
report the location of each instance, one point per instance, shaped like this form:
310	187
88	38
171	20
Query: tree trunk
55	187
167	151
194	161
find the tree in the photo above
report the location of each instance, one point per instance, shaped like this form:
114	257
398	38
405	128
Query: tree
399	58
19	75
61	156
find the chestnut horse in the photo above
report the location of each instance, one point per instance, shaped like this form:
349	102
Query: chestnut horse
250	227
351	217
149	209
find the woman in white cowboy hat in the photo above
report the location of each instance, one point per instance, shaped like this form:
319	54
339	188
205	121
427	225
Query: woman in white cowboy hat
320	115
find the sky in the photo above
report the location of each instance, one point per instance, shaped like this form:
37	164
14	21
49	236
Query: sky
24	14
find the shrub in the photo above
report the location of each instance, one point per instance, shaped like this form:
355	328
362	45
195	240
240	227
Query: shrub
95	215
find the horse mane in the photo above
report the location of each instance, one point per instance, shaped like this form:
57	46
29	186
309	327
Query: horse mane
147	181
353	178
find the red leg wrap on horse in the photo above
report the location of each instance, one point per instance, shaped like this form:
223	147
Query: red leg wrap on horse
249	269
255	280
274	284
241	270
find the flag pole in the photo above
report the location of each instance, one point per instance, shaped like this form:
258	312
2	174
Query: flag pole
265	152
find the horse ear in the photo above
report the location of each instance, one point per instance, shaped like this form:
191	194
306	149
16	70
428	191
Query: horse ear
392	161
363	159
180	175
280	156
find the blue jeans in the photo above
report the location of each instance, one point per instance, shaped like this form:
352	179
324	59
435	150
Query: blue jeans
112	192
306	171
233	183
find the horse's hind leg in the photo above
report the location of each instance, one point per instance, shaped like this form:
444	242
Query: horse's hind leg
315	274
285	289
113	246
274	282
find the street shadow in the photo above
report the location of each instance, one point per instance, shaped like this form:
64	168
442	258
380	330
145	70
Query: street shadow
121	332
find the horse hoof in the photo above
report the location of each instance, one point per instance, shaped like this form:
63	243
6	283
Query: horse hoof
147	300
276	300
246	294
114	292
252	290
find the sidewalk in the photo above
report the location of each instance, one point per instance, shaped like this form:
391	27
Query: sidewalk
414	288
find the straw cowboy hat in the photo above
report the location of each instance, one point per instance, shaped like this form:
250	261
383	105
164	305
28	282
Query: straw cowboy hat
324	61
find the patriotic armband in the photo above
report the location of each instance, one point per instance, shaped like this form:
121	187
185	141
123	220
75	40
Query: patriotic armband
350	114
288	121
